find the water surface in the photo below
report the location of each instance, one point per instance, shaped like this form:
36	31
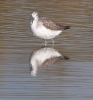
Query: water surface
67	79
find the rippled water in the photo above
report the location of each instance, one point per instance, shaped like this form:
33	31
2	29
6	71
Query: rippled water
66	79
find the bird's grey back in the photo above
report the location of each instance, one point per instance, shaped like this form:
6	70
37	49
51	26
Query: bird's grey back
50	24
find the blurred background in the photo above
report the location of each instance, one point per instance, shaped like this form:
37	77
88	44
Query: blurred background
68	79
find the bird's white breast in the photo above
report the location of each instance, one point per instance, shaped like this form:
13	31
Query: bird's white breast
42	32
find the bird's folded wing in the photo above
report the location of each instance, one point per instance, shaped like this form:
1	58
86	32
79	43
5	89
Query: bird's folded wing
50	61
50	24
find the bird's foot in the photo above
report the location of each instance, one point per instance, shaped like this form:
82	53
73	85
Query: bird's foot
53	42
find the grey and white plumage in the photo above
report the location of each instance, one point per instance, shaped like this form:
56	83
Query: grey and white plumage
45	28
44	57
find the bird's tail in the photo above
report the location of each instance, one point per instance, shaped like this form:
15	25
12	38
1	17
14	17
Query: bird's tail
66	27
66	57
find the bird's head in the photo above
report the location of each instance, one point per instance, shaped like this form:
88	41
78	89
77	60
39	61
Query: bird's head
34	14
34	17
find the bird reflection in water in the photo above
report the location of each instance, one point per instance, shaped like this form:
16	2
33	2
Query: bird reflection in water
44	57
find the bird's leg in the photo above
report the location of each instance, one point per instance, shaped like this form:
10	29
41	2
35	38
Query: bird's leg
52	42
45	42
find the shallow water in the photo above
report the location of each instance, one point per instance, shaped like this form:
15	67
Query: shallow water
68	79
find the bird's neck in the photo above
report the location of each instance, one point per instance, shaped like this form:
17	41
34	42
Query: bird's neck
34	69
35	23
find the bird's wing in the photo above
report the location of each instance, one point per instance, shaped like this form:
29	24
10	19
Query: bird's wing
50	61
50	24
